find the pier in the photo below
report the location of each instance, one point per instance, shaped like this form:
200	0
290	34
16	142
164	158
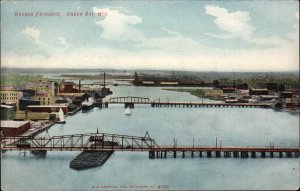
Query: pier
199	104
224	152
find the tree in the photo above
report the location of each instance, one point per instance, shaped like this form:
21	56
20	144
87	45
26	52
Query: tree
216	83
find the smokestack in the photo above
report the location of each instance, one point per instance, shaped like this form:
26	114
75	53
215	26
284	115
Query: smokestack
104	79
79	86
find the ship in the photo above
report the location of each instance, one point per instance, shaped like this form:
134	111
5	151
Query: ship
87	103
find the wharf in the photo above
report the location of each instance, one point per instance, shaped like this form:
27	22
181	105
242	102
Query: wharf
89	159
74	112
38	130
28	134
226	152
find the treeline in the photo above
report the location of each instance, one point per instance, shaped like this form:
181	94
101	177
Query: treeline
18	80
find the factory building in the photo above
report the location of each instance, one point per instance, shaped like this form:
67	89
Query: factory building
14	128
8	112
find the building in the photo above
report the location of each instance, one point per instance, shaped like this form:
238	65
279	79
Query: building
213	93
44	92
258	91
287	94
40	112
228	89
14	128
9	97
292	102
169	83
8	112
24	102
68	87
47	108
148	83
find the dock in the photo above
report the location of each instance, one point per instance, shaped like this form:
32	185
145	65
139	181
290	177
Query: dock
199	104
30	133
89	159
70	113
225	152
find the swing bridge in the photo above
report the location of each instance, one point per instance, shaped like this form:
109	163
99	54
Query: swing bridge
104	142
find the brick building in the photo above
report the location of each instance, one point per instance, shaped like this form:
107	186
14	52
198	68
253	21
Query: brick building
14	128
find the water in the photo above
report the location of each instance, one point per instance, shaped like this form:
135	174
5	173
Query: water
134	171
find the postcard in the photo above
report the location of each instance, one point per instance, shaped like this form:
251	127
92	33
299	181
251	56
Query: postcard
149	95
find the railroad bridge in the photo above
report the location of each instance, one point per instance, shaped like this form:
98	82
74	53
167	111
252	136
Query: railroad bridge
131	101
104	142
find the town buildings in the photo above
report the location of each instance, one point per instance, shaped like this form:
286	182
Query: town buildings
44	91
9	96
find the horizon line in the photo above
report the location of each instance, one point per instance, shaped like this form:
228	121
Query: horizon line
151	69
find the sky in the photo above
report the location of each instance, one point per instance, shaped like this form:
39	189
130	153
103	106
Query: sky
173	35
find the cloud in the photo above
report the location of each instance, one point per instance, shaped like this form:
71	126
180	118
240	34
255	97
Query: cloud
220	36
173	51
294	35
277	59
35	34
32	32
63	42
235	23
118	26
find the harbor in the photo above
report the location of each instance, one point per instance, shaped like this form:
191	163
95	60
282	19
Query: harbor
185	126
149	95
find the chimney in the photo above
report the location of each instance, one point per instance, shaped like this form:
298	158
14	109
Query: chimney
79	86
104	79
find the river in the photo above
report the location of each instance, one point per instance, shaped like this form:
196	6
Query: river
135	171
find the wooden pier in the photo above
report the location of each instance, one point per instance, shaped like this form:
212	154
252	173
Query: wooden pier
200	104
224	152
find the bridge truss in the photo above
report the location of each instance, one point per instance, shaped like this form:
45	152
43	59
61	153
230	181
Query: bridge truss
128	99
80	142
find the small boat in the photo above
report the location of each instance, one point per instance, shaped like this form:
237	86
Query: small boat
127	111
61	117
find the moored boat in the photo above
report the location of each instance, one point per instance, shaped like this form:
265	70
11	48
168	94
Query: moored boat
61	117
87	104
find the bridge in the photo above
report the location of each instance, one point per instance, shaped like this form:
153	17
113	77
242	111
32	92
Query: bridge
131	101
128	101
80	142
95	142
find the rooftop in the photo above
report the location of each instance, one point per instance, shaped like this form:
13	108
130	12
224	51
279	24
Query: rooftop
12	124
43	106
7	106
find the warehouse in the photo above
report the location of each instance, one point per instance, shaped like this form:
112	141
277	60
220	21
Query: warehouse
14	128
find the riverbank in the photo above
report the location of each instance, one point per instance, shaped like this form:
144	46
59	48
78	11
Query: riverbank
33	131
